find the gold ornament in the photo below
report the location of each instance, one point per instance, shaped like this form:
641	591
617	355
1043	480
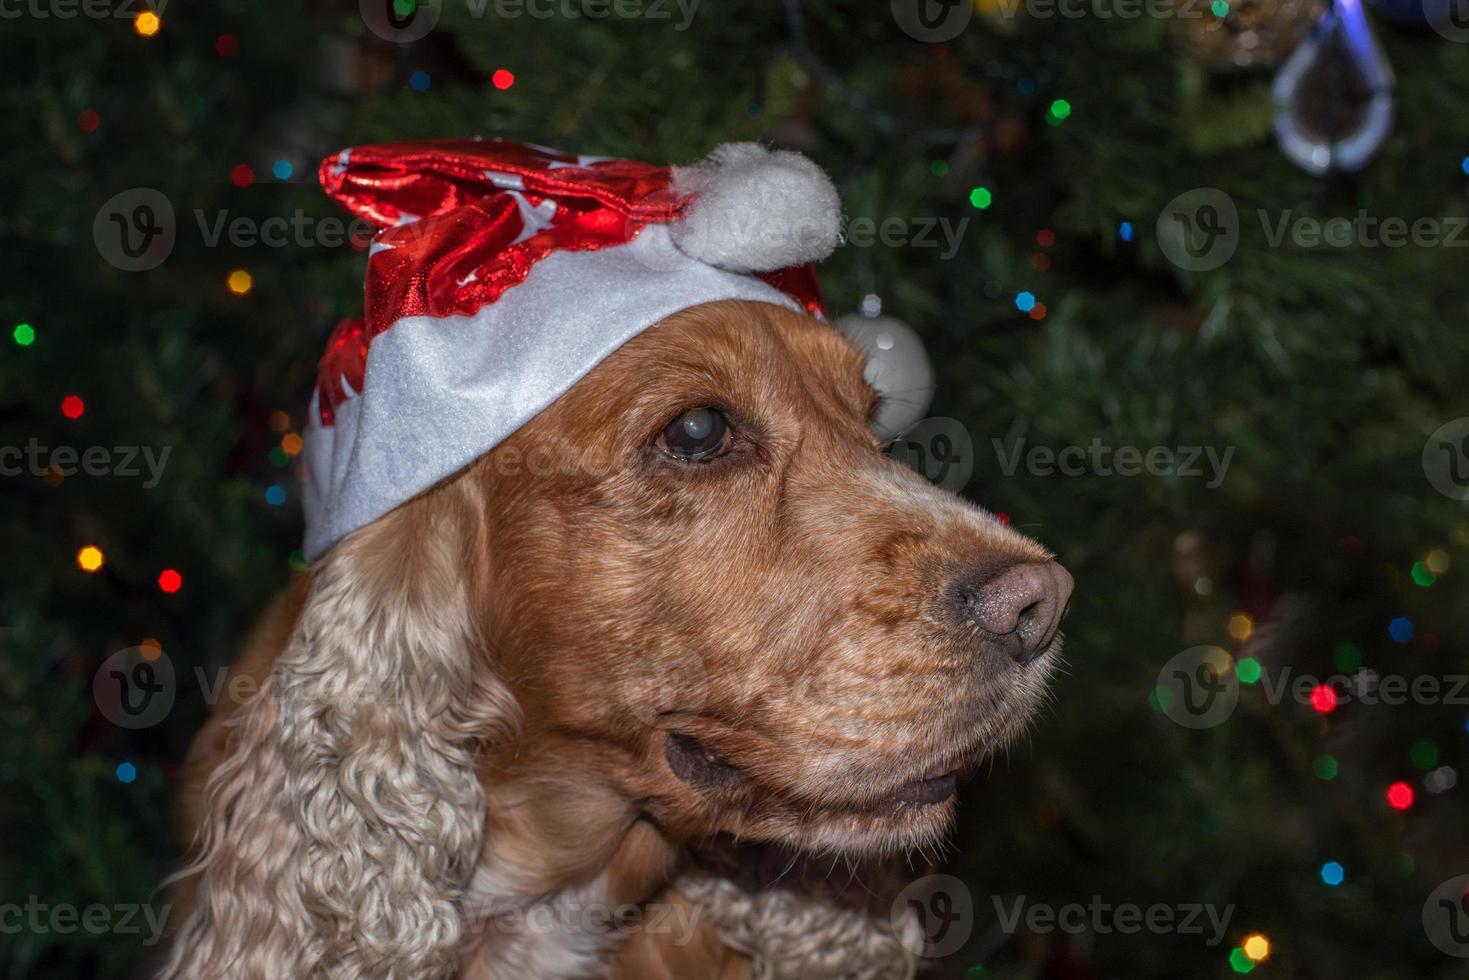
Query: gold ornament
1251	34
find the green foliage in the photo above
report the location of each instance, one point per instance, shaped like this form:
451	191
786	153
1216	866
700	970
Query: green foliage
1323	368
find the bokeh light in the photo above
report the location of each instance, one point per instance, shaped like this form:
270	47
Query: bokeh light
1400	796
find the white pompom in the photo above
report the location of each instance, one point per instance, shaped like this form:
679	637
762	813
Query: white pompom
897	366
756	210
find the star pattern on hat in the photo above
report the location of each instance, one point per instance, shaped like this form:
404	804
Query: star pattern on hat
535	217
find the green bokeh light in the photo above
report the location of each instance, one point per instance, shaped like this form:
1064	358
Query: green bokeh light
1348	657
1424	754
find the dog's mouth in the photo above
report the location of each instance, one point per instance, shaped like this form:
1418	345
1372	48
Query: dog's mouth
709	772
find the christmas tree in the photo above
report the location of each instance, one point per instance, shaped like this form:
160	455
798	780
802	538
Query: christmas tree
1226	389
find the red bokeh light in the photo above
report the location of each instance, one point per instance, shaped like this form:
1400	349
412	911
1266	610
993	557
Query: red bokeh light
88	120
1324	699
72	407
1400	796
242	175
502	79
226	46
170	581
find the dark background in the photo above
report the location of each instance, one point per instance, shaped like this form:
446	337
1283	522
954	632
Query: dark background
1058	141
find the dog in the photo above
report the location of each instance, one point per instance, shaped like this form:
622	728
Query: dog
691	601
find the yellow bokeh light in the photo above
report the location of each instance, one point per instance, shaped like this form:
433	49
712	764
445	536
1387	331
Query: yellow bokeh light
147	23
1256	947
291	443
89	559
1437	561
1240	626
150	649
240	282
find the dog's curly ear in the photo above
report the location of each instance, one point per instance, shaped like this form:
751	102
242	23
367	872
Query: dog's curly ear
346	817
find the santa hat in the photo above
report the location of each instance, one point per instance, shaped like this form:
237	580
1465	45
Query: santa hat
502	273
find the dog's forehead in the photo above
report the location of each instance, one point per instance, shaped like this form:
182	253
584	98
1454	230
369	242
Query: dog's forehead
752	341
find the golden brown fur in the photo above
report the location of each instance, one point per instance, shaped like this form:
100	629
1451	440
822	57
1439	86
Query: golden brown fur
546	618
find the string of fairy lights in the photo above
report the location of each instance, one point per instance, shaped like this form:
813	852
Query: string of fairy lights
1423	756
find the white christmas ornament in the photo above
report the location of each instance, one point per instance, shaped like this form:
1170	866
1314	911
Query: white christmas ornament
897	366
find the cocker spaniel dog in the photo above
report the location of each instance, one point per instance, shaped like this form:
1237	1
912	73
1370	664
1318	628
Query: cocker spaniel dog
619	616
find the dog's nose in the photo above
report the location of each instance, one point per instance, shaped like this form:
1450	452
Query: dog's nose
1019	608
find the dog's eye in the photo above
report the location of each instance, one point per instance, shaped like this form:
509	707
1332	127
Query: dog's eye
699	433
